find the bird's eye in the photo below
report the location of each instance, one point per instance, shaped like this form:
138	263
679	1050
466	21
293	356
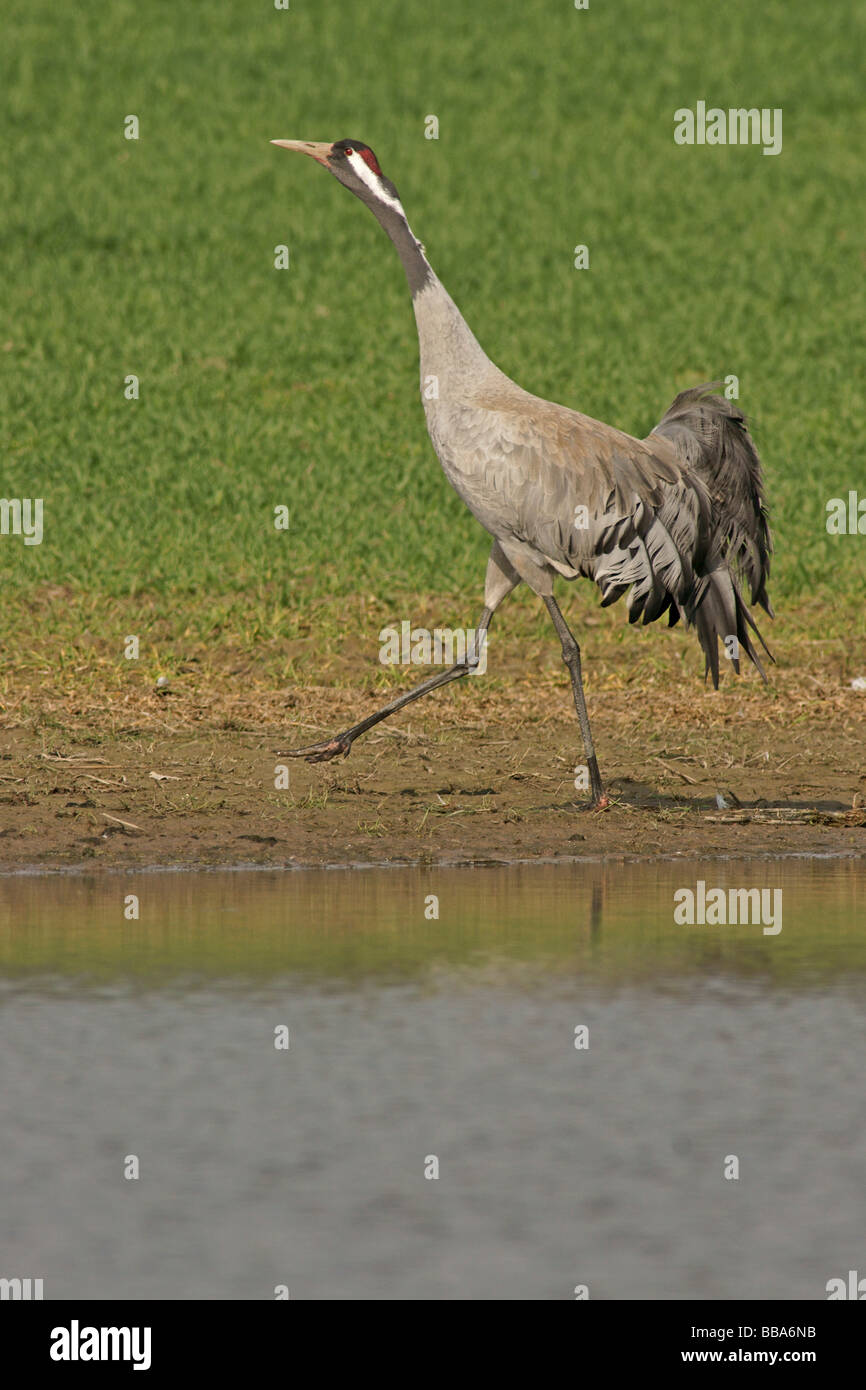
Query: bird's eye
348	152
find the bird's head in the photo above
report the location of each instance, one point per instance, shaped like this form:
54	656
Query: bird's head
356	166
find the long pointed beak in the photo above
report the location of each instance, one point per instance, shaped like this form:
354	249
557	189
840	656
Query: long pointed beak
315	149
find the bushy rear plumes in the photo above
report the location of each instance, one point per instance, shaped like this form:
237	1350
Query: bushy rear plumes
711	436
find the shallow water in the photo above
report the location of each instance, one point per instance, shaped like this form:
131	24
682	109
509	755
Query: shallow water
412	1037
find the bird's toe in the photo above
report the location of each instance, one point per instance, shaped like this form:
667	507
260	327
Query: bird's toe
324	752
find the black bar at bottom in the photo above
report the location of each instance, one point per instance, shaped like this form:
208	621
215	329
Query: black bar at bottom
63	1338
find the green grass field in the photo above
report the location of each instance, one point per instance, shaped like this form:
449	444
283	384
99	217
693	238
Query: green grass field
261	387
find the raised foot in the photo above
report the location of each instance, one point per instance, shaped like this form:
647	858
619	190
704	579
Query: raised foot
338	747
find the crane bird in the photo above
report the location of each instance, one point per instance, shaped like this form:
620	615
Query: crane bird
676	518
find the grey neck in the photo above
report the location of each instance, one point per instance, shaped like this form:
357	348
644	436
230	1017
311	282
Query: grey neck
409	248
450	352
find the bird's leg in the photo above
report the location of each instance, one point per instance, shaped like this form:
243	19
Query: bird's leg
571	657
340	745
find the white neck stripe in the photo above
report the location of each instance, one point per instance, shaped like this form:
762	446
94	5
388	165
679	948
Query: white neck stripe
366	175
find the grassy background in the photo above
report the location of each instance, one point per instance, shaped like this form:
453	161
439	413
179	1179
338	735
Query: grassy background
262	387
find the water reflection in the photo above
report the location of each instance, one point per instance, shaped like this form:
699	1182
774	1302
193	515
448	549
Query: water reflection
414	1035
615	922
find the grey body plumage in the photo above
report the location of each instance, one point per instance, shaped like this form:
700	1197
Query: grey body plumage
676	521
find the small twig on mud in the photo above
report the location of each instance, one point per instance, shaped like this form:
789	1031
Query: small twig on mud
127	824
82	759
677	772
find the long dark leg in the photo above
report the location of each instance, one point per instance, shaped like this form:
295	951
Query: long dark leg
340	745
571	657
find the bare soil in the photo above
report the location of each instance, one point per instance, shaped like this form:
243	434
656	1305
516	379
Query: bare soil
482	771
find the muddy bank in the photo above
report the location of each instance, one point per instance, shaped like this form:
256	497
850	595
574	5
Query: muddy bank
476	775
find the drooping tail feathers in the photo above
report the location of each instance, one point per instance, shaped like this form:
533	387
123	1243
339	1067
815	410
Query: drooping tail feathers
711	437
